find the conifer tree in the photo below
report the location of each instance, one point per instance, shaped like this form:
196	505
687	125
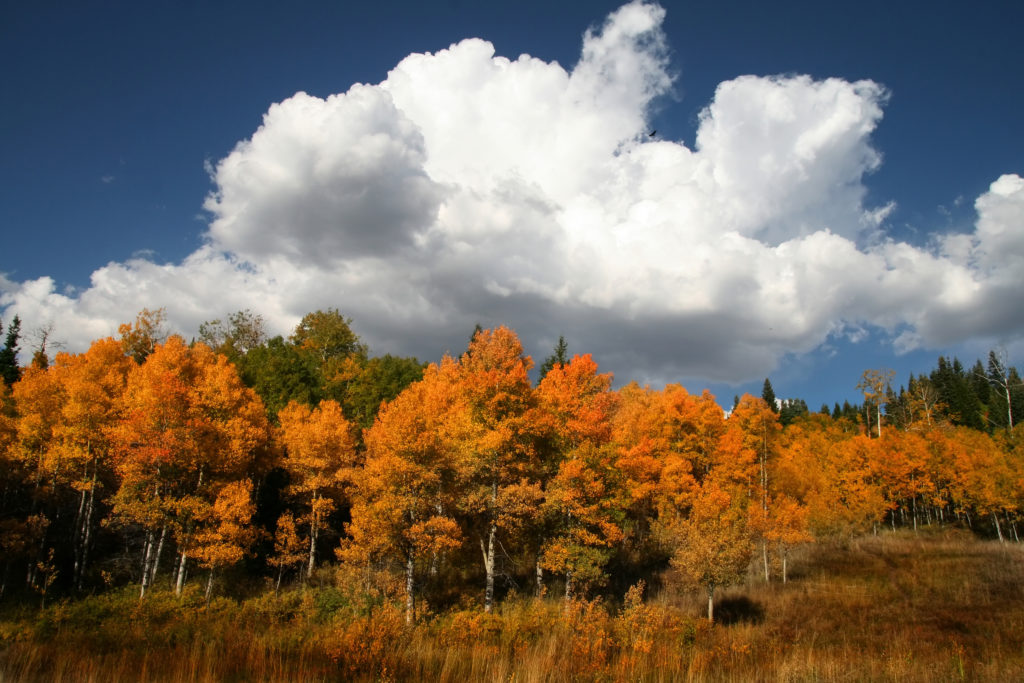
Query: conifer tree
768	394
9	370
559	357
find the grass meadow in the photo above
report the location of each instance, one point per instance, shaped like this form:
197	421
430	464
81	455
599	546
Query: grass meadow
933	606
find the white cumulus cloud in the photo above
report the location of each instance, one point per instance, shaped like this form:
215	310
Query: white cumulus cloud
468	187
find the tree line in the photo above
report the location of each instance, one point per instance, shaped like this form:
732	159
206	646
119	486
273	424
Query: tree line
151	460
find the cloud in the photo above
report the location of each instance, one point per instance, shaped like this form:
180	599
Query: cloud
470	188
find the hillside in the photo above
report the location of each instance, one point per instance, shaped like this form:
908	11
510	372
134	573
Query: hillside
938	605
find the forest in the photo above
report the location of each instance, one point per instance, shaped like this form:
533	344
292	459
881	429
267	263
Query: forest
381	500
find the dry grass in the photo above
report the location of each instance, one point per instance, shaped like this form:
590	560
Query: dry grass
941	606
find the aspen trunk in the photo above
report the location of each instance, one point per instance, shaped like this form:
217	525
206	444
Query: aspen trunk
145	564
410	604
209	586
181	573
312	539
539	577
711	603
488	551
492	532
785	557
159	552
999	531
76	540
87	529
764	552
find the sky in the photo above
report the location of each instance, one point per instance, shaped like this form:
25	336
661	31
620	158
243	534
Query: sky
709	193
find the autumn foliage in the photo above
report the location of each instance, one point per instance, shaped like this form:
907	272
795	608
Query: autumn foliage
146	460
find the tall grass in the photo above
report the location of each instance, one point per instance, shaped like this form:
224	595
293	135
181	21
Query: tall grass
940	606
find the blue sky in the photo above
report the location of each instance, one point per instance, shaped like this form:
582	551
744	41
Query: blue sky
120	120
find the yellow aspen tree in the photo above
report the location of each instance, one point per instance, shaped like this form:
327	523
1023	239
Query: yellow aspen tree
502	457
227	533
760	427
321	460
787	527
289	547
583	498
712	545
188	425
92	385
404	507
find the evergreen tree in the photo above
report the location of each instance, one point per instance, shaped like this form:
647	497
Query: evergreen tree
979	382
768	394
9	370
279	372
792	408
379	381
559	357
956	393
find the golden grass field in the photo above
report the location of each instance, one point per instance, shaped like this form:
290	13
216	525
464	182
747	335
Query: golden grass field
935	606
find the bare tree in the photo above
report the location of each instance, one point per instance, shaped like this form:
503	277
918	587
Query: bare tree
875	386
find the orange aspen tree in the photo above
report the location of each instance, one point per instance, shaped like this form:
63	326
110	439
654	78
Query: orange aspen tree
901	470
760	427
289	547
403	510
712	545
501	464
584	496
986	482
228	533
92	383
188	426
640	442
787	527
321	459
39	399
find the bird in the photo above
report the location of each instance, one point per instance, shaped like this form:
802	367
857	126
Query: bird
652	133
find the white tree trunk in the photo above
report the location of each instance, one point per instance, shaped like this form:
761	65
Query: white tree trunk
156	557
410	605
312	539
181	574
145	564
209	586
488	551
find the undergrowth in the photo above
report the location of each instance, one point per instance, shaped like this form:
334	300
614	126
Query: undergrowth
939	606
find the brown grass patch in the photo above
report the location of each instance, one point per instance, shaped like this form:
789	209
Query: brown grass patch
933	606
